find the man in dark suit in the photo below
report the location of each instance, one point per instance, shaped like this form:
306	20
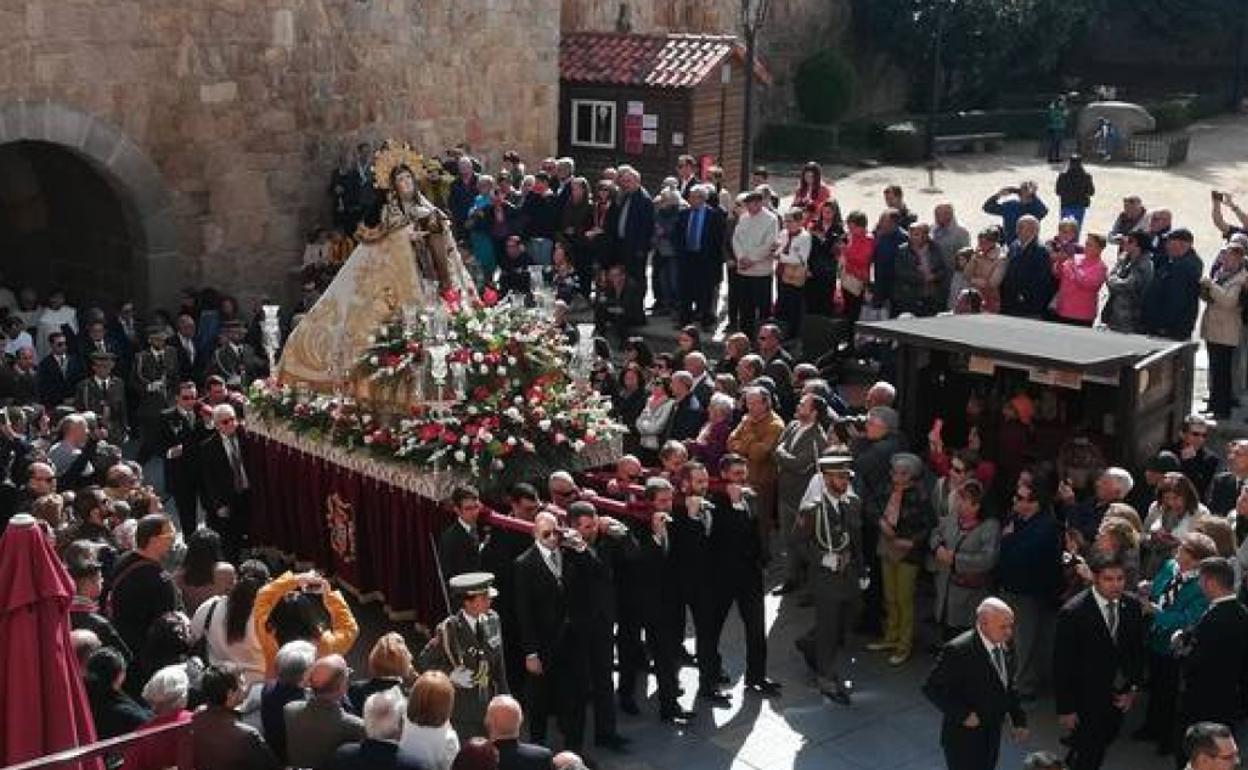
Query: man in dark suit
1226	487
59	372
459	547
689	413
317	727
597	550
690	530
225	486
19	382
191	355
181	434
498	556
1028	284
630	224
1195	460
651	575
502	725
1213	654
699	242
383	726
737	559
973	686
542	612
1098	662
96	341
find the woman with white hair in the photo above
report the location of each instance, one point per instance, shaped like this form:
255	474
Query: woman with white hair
383	724
712	440
166	693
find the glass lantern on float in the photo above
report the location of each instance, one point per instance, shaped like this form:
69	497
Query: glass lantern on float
271	332
582	365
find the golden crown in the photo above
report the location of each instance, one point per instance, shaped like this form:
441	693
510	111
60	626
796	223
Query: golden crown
391	155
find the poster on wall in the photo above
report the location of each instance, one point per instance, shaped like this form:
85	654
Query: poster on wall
632	131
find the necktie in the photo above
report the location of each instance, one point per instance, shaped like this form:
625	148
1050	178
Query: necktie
1111	617
555	564
236	464
695	229
480	628
60	361
998	660
706	521
622	229
190	350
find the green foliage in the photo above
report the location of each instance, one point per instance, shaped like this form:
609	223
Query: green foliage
1171	115
988	46
824	86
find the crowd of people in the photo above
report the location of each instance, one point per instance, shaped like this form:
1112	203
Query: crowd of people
1049	568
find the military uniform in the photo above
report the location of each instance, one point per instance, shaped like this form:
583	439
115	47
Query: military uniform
234	361
155	377
106	396
470	650
833	529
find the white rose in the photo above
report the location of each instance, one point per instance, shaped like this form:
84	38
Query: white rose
590	433
544	425
511	441
578	445
477	357
464	440
373	360
472	410
511	361
460	456
497	464
484	369
518	400
486	436
502	370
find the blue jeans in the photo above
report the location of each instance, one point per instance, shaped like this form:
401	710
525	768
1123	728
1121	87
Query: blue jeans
665	280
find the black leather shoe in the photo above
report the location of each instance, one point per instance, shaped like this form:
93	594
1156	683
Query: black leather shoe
613	742
766	687
629	706
716	697
808	653
838	695
787	587
723	678
676	714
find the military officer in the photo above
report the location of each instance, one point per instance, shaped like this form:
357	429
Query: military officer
468	646
832	526
234	360
154	377
105	395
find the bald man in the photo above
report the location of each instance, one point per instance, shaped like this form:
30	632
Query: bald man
973	686
315	728
541	608
502	724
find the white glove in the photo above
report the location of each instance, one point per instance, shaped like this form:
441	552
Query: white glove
462	678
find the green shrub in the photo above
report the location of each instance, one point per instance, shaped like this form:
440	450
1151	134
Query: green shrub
824	87
903	143
795	141
1171	115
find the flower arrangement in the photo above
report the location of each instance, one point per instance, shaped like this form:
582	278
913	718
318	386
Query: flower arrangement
521	412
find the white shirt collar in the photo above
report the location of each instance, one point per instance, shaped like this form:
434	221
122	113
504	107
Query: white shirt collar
988	645
1221	599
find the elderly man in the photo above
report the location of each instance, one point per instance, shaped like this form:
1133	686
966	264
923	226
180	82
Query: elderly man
770	345
973	686
1227	486
755	241
949	236
315	728
1112	486
542	613
699	242
689	413
292	663
1158	229
921	281
1012	204
1196	461
872	452
755	438
1172	300
703	384
832	531
1133	217
1028	285
224	482
142	590
800	444
383	725
502	726
1210	746
630	225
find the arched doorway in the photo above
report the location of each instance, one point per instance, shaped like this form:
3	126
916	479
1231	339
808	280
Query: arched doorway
64	225
83	207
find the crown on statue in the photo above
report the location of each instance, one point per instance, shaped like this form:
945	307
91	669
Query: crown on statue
393	154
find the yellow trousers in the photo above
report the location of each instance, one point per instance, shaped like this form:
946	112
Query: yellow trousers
899	580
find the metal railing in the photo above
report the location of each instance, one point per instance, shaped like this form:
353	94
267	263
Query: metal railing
98	751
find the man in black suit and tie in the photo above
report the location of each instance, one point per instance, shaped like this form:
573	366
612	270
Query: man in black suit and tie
1213	654
699	242
96	341
542	611
651	576
498	556
191	357
224	481
459	548
1098	662
690	529
59	372
181	434
973	686
502	725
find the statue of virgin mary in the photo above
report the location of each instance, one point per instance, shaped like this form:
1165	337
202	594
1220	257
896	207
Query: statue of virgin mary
397	263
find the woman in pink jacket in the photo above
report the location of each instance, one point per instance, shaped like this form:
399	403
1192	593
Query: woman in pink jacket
1079	281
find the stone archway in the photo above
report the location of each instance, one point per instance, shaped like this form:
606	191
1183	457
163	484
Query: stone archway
65	174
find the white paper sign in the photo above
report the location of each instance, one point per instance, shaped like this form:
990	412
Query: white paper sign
649	121
636	108
678	139
649	136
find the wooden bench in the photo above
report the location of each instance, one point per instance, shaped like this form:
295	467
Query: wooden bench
989	140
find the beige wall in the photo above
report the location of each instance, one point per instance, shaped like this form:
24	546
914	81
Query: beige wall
231	113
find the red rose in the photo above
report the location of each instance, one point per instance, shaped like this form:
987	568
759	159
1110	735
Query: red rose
448	436
489	297
429	432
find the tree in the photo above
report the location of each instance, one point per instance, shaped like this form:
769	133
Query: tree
753	17
824	86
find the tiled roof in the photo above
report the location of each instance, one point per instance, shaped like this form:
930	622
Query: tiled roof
658	61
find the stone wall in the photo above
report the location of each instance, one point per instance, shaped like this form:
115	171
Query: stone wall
233	113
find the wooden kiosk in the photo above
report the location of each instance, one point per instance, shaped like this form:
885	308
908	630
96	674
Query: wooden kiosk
1129	390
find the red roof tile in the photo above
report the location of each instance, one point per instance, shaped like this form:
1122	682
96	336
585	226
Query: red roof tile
659	61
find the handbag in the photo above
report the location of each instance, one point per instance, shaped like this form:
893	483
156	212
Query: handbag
852	283
967	579
790	274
